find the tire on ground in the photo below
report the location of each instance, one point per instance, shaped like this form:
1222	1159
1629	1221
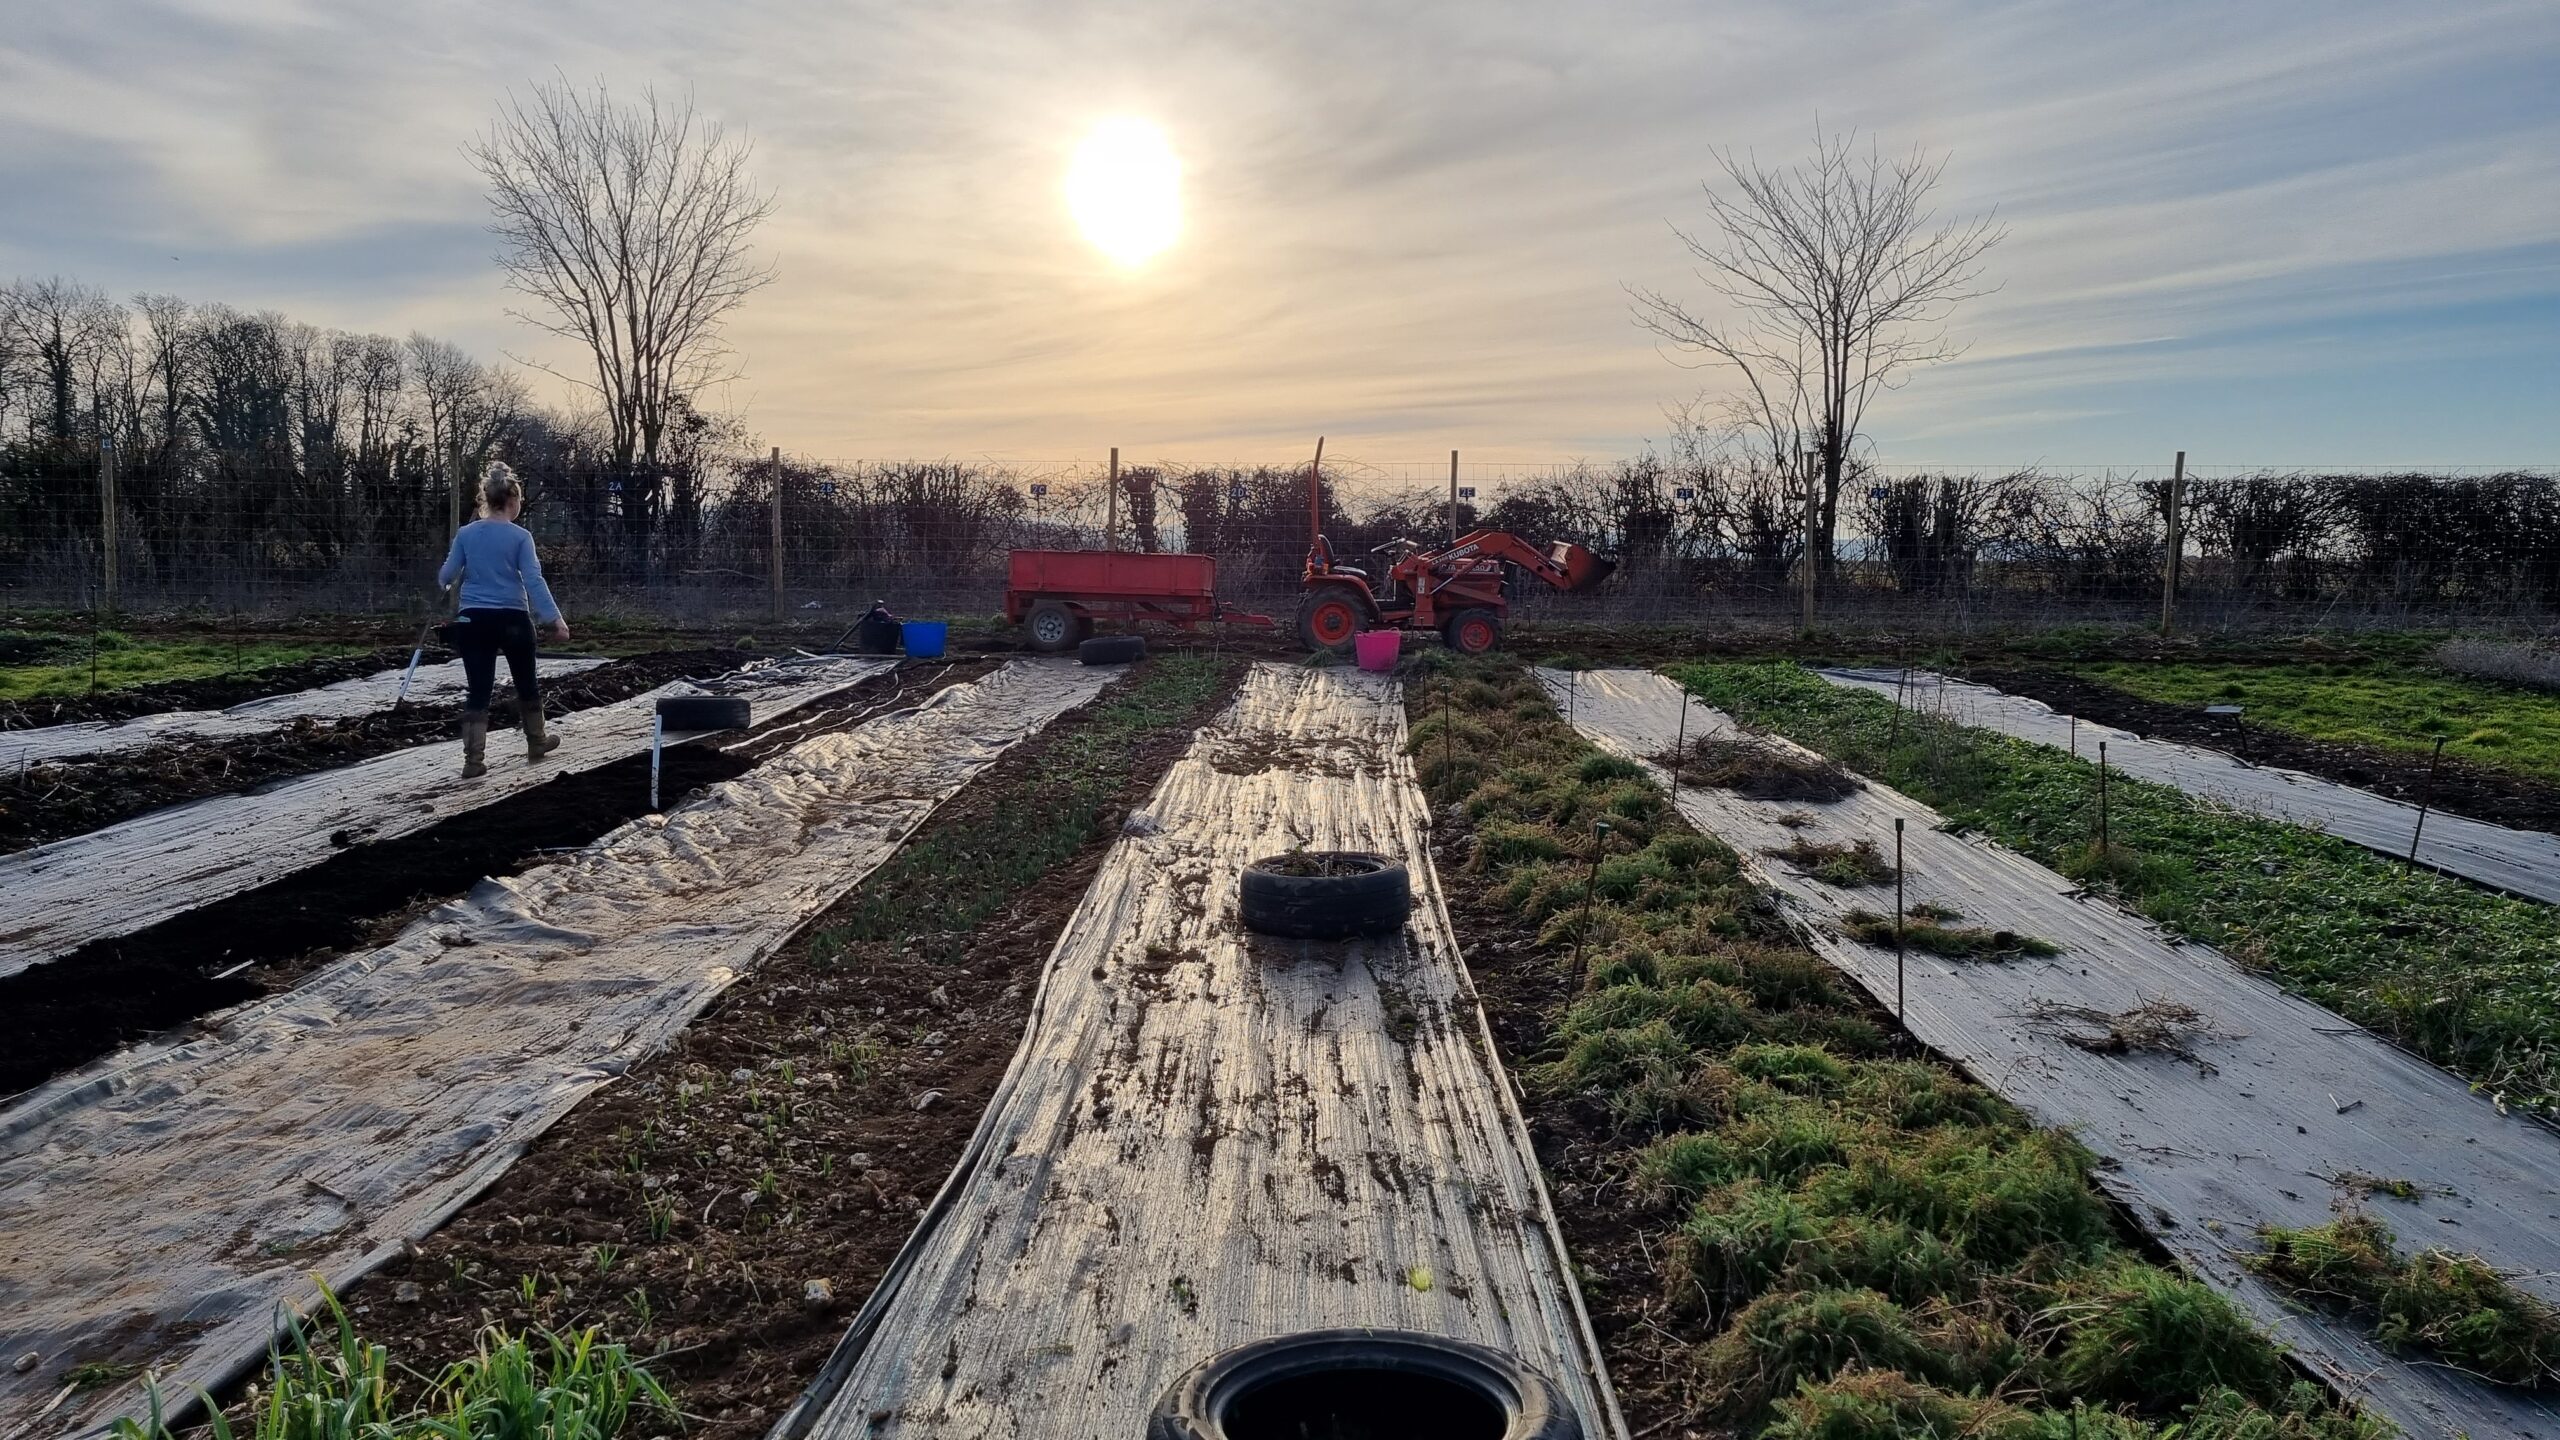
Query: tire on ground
1473	632
1369	895
704	712
1053	628
1380	1381
1112	649
1330	617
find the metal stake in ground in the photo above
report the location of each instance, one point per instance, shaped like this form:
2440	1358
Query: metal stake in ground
2102	802
1897	917
1590	879
2426	797
1680	748
657	744
1448	758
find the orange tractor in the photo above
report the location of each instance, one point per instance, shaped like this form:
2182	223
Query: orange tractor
1458	591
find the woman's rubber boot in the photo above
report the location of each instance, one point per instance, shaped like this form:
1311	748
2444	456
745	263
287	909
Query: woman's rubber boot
537	743
475	745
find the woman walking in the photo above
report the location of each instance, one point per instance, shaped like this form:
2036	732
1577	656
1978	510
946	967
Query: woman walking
502	596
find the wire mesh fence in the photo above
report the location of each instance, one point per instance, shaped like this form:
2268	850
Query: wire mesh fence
744	537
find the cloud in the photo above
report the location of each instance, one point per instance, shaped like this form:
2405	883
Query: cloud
1407	226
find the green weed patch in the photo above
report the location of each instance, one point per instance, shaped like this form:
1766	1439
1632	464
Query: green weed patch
122	660
1862	1243
1927	932
2456	973
2406	708
2436	1303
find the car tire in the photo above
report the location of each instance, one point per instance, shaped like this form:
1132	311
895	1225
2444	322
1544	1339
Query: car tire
704	712
1371	896
1112	650
1395	1381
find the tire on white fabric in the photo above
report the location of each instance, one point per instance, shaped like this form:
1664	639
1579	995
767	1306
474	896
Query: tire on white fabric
704	712
1363	895
1112	649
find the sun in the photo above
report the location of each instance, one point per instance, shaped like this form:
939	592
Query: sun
1125	190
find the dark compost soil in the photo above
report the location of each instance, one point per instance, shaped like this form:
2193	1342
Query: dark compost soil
2461	788
211	692
728	1204
48	802
72	1010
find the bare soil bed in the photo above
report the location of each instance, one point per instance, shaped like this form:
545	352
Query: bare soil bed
2461	788
70	1011
727	1206
48	802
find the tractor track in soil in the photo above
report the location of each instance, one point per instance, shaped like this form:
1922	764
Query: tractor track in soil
75	1009
725	1286
48	802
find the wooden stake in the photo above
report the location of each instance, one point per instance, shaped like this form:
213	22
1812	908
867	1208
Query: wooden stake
1111	505
107	523
2177	545
2102	803
1590	881
2426	798
1812	524
775	515
1680	748
1453	497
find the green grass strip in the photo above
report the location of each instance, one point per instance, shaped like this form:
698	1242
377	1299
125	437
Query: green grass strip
944	883
124	660
2402	708
2468	978
1877	1246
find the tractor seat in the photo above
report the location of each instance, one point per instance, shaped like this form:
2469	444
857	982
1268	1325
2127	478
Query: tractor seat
1354	571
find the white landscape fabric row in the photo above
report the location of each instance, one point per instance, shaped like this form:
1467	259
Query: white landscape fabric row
347	699
2296	1105
2520	862
127	877
160	1205
1208	1138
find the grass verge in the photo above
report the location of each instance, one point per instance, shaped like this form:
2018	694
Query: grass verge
2404	708
122	660
2456	973
1788	1223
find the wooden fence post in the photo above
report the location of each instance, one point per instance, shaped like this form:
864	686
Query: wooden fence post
775	516
1453	497
2176	547
1111	505
1812	536
107	524
453	487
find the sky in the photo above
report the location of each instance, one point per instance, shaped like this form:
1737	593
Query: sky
2261	233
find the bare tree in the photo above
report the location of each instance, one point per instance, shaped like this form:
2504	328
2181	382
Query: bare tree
1833	276
628	225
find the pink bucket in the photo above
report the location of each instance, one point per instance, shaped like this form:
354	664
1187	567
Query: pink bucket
1377	649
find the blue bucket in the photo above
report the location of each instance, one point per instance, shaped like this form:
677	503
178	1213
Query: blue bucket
922	639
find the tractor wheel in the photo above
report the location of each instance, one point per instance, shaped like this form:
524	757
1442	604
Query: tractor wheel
1329	617
1054	629
1473	632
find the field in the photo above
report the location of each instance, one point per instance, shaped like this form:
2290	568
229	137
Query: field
1785	1214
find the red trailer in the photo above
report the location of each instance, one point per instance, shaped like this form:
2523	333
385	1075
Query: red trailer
1056	595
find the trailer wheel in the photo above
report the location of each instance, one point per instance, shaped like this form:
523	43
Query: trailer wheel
1329	617
1473	632
1324	895
1054	629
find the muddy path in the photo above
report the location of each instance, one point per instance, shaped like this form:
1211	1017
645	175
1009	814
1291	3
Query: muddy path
68	1012
47	802
2461	788
729	1203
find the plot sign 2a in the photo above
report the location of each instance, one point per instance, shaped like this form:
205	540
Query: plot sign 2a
1038	489
1466	492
